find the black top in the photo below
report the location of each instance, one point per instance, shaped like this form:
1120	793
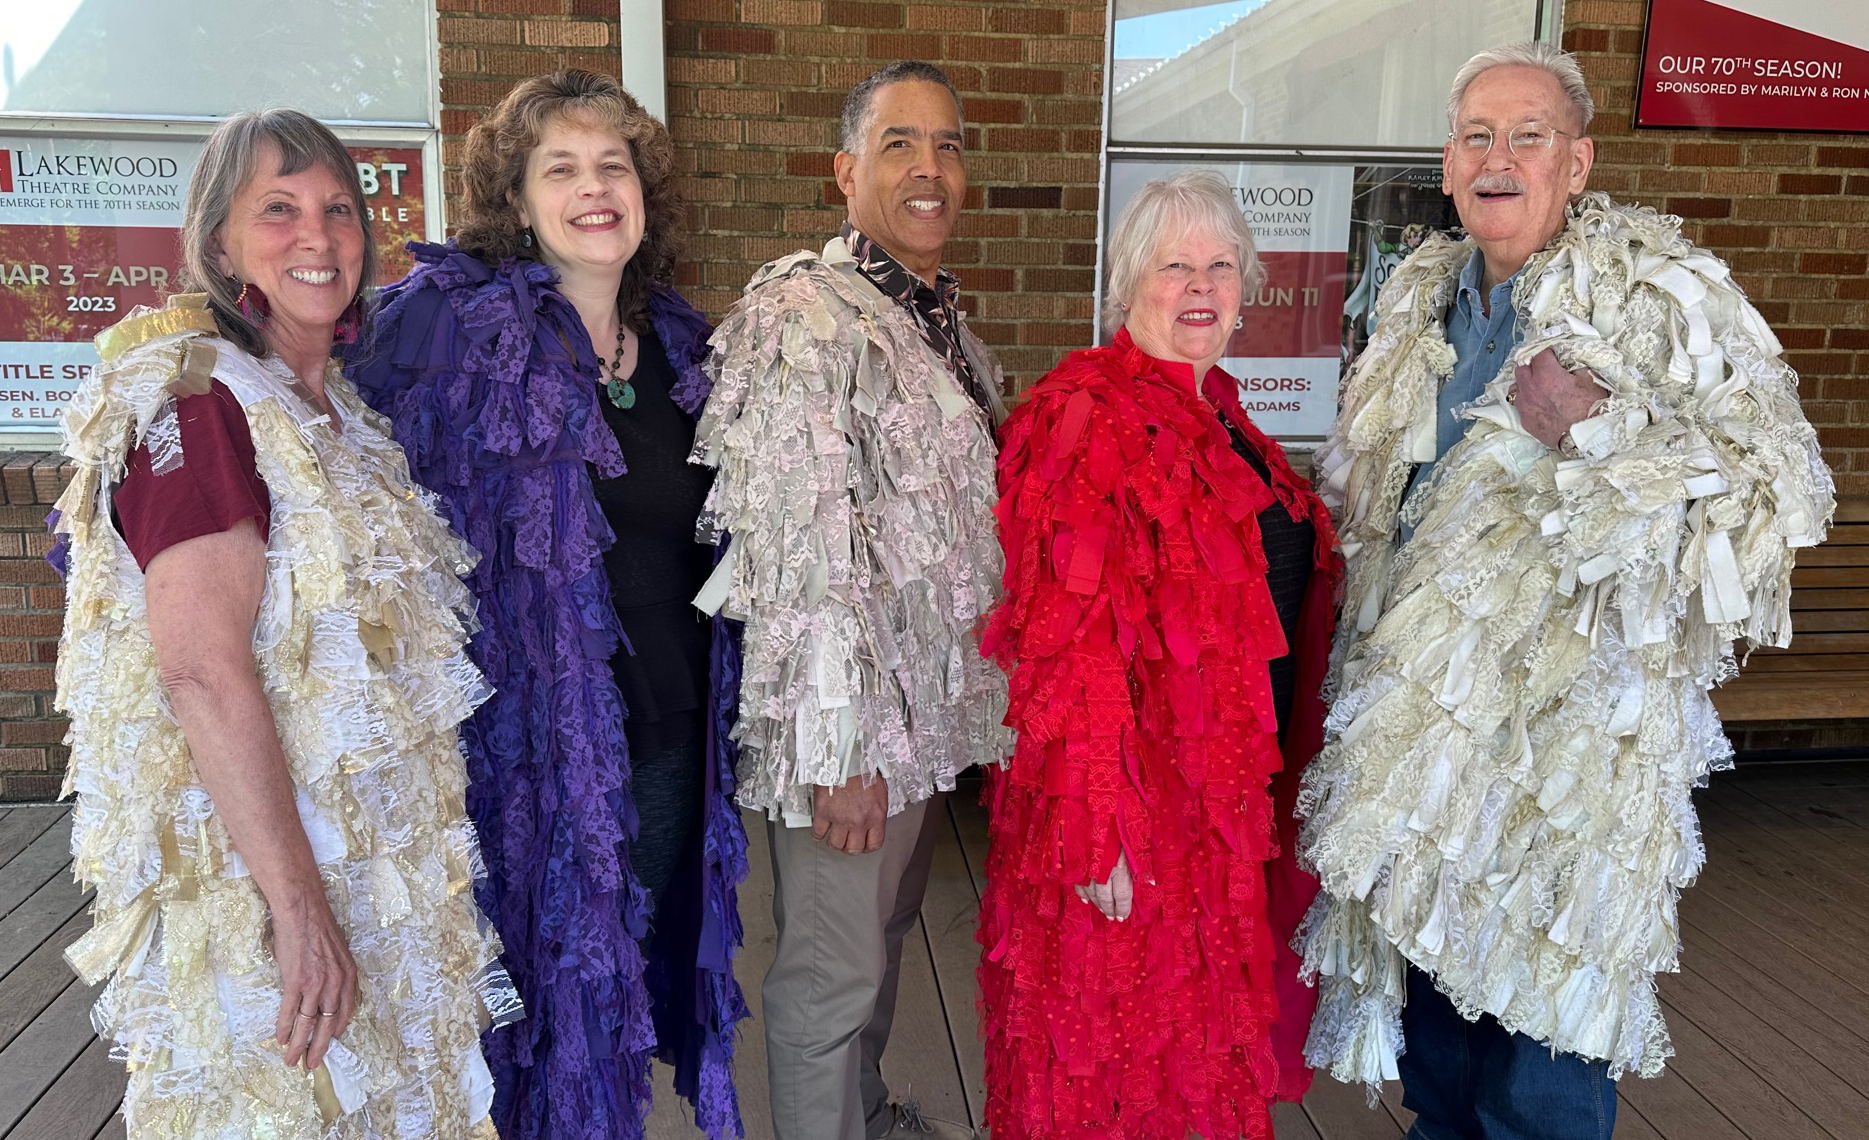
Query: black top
655	566
1288	547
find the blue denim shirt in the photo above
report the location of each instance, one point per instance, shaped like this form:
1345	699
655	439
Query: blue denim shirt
1481	343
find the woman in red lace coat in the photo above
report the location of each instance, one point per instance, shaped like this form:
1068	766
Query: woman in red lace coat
1166	623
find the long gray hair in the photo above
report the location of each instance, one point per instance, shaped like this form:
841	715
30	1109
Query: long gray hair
227	163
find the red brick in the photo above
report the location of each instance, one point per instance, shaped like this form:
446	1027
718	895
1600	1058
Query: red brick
522	7
1029	20
567	33
761	41
987	279
736	101
1840	264
811	164
1586	39
1059	280
946	18
1024	197
33	680
598	9
1733	237
1705	154
28	570
33	732
13	597
983	110
781	12
1025	140
1810	184
901	45
987	49
844	13
795	74
31	625
1025	80
23	760
29	789
1700	207
1848	157
719	11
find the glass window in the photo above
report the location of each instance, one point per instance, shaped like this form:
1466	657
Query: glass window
359	60
1350	73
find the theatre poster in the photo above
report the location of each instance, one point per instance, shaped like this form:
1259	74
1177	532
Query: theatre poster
1776	65
89	229
1287	349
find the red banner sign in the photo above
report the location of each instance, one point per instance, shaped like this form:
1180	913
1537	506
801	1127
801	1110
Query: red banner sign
88	231
1756	65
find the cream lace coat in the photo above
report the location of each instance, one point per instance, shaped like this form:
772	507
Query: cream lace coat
359	644
1521	693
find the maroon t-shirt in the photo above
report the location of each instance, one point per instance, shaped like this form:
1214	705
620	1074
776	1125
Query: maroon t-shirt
217	485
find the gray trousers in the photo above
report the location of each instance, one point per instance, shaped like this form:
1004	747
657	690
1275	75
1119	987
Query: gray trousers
830	996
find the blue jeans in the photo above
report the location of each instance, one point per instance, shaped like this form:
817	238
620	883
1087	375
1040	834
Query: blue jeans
1472	1080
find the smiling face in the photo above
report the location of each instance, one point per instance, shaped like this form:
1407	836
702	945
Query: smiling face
297	238
582	198
1514	205
1187	300
906	185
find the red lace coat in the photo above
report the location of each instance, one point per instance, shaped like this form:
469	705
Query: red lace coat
1136	628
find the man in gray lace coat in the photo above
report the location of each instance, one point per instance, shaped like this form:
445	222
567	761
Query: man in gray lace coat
852	424
1569	472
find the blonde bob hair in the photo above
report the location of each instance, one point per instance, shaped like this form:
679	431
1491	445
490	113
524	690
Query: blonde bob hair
1193	201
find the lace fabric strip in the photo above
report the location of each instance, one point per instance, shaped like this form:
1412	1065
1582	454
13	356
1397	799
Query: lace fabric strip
1521	694
180	930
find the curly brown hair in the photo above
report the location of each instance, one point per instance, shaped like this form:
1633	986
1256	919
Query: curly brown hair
494	170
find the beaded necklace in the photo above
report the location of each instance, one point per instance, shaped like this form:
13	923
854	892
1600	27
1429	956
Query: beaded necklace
618	389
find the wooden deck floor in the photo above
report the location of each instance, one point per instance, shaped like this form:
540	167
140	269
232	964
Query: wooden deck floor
1770	1014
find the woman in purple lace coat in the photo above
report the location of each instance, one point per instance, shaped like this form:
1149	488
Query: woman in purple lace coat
543	377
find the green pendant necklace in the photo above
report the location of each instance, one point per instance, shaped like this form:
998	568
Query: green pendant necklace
618	389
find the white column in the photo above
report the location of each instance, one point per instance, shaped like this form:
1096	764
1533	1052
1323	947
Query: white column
641	62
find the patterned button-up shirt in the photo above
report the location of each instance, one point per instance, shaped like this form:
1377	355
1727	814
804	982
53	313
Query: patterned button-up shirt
933	306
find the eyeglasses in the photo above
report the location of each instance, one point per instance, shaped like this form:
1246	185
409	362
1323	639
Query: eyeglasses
1528	141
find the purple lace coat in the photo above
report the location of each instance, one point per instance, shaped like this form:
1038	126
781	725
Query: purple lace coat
487	377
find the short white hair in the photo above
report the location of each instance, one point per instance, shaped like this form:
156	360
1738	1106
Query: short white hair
1193	201
1555	62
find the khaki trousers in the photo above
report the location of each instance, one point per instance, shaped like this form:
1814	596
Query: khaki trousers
831	993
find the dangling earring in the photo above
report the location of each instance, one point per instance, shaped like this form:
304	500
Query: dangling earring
525	238
349	323
253	305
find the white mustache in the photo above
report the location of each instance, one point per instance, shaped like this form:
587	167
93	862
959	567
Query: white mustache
1496	184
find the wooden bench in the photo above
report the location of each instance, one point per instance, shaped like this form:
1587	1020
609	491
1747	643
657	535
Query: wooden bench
1824	673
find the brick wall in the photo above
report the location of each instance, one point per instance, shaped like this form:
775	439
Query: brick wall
755	90
32	608
487	46
1789	212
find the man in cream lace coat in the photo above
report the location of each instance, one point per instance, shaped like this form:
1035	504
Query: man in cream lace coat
852	423
1570	471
